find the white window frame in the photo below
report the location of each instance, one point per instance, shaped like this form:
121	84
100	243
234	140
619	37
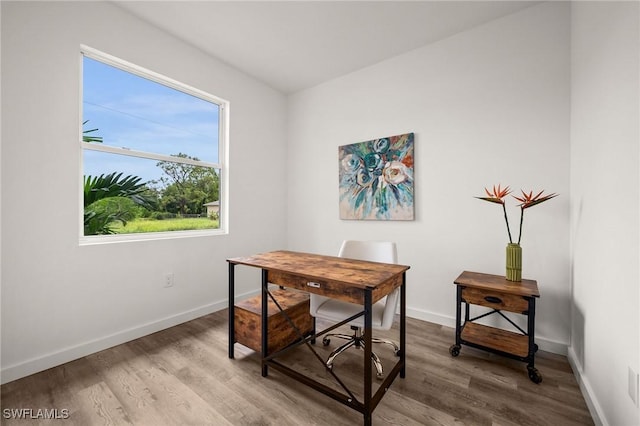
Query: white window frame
222	165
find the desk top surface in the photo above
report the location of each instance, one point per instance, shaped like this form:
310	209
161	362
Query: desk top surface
355	273
498	283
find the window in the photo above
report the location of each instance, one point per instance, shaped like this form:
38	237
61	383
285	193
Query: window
152	154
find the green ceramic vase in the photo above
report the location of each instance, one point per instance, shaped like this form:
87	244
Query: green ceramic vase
514	262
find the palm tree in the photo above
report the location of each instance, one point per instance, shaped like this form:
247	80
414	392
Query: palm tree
96	188
88	138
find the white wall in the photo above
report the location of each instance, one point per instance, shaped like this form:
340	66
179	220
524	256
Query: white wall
605	120
61	300
488	106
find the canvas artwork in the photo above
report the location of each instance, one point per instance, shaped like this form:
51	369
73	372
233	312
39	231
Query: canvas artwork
376	179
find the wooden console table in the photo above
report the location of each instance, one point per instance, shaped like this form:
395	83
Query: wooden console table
495	292
355	281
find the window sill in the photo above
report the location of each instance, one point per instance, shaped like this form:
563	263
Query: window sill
149	236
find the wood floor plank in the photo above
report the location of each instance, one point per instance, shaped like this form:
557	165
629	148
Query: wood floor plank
183	376
102	407
136	397
414	411
55	388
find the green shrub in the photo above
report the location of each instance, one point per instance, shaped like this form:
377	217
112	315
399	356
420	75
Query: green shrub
178	224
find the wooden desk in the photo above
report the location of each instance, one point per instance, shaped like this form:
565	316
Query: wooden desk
495	292
354	281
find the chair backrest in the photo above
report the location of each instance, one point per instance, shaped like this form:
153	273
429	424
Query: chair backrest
374	251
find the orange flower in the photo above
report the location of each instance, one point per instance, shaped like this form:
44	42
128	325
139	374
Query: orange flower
497	195
528	200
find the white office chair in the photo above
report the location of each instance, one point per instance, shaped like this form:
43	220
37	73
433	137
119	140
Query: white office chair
383	310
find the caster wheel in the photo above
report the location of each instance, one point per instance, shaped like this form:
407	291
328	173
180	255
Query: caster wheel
535	347
454	350
534	375
325	341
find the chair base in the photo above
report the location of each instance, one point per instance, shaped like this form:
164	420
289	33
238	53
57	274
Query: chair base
357	340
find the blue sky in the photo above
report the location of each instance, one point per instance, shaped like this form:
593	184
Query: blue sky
139	114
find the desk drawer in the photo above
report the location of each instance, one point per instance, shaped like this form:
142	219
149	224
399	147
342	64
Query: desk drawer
335	290
495	300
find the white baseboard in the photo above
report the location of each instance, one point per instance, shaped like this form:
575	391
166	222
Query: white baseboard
587	392
428	316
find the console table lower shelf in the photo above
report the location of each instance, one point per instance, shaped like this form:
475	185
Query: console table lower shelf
498	294
496	338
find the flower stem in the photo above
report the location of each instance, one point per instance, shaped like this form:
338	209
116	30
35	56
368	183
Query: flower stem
506	219
521	219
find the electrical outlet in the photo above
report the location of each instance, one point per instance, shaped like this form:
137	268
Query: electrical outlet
633	386
168	280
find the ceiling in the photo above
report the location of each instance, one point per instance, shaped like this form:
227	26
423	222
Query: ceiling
293	45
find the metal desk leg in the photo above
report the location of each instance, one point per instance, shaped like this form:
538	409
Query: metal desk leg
459	314
403	324
232	332
466	308
531	321
534	374
265	319
454	349
368	298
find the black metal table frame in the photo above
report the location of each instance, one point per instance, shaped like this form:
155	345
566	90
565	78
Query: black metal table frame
534	375
370	400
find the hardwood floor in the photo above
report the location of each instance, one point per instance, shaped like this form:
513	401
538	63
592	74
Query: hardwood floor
183	376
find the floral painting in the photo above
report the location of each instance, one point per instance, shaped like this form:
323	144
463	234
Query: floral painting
376	179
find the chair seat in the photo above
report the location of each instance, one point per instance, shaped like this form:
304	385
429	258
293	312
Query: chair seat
336	310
